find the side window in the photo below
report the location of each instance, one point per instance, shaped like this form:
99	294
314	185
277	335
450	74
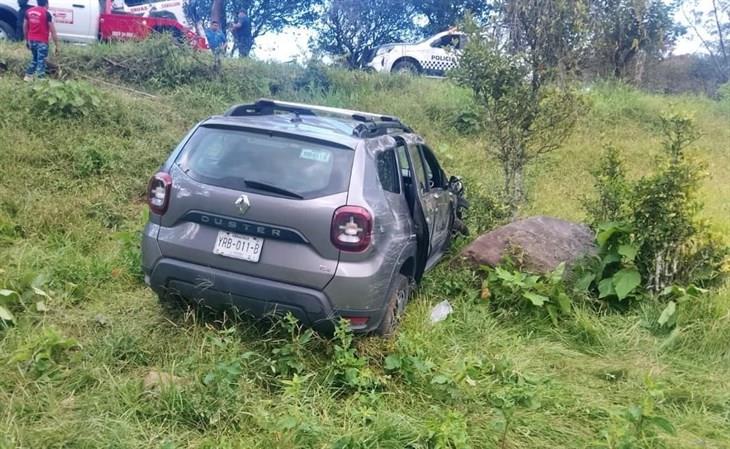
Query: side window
433	170
388	171
405	167
448	41
418	169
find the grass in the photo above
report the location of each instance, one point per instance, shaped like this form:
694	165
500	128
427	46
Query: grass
71	209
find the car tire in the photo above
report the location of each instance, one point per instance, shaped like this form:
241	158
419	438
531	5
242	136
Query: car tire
406	66
6	31
396	305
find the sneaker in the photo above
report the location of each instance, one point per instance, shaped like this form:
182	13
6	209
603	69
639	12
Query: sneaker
28	78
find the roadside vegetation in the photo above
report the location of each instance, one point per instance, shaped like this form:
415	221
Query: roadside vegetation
88	358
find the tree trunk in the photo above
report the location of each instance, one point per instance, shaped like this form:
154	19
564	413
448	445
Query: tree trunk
217	14
514	186
639	67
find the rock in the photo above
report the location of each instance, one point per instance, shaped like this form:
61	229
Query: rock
156	379
543	243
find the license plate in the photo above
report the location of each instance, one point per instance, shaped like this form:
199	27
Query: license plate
238	246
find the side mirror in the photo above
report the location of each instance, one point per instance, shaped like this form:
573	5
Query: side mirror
456	185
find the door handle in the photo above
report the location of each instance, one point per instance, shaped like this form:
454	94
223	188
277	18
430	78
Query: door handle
76	5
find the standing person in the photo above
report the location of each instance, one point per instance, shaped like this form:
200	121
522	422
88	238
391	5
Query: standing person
216	42
23	7
38	25
242	34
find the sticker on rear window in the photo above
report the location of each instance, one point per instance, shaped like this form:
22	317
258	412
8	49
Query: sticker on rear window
315	155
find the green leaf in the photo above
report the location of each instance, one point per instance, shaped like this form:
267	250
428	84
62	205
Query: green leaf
40	292
605	232
625	281
393	362
662	423
667	313
563	302
8	293
440	379
635	413
696	291
553	313
208	379
6	315
584	283
628	251
535	299
605	288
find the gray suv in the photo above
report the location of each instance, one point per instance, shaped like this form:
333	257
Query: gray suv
279	207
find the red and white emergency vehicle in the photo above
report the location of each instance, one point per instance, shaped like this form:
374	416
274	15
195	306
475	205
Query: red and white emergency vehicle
86	21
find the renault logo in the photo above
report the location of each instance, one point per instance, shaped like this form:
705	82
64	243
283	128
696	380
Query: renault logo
243	204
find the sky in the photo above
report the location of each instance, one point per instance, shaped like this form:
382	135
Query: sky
292	43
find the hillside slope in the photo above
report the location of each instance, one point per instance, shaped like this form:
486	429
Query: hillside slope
72	368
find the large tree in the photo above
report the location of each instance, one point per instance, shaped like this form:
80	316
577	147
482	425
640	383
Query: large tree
442	14
712	26
350	29
627	32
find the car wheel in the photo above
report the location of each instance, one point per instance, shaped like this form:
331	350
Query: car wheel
406	66
6	31
396	305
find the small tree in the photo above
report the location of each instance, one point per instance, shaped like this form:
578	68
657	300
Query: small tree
671	244
526	118
350	29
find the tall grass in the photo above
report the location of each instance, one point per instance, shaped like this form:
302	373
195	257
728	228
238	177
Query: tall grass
70	214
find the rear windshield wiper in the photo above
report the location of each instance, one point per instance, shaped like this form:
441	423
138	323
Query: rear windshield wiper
273	189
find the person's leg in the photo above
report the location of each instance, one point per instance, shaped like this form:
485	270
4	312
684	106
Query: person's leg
247	48
42	53
33	56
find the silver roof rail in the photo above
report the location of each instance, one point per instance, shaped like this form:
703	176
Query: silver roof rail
266	106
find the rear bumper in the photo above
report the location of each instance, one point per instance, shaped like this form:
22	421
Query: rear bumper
256	296
251	295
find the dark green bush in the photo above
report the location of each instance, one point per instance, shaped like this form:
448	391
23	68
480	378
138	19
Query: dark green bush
65	99
658	214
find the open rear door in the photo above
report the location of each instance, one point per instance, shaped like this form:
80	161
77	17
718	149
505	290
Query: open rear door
413	182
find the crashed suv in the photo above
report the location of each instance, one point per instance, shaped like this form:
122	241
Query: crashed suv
278	208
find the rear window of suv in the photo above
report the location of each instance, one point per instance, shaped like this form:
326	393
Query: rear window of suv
243	160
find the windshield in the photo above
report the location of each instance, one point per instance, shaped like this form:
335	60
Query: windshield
266	164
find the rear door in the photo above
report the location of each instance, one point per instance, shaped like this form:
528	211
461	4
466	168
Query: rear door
257	204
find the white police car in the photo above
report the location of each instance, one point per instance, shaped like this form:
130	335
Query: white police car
433	56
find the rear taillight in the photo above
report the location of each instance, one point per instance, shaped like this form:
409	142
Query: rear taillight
158	192
352	227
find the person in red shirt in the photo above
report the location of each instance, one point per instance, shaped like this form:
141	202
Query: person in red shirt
37	26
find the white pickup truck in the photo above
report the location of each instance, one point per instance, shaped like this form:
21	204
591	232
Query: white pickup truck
86	21
433	56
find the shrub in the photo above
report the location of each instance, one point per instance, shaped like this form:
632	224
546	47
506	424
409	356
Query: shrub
65	99
657	216
612	190
509	287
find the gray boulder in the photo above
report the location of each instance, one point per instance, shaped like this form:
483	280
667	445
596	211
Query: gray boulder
542	242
